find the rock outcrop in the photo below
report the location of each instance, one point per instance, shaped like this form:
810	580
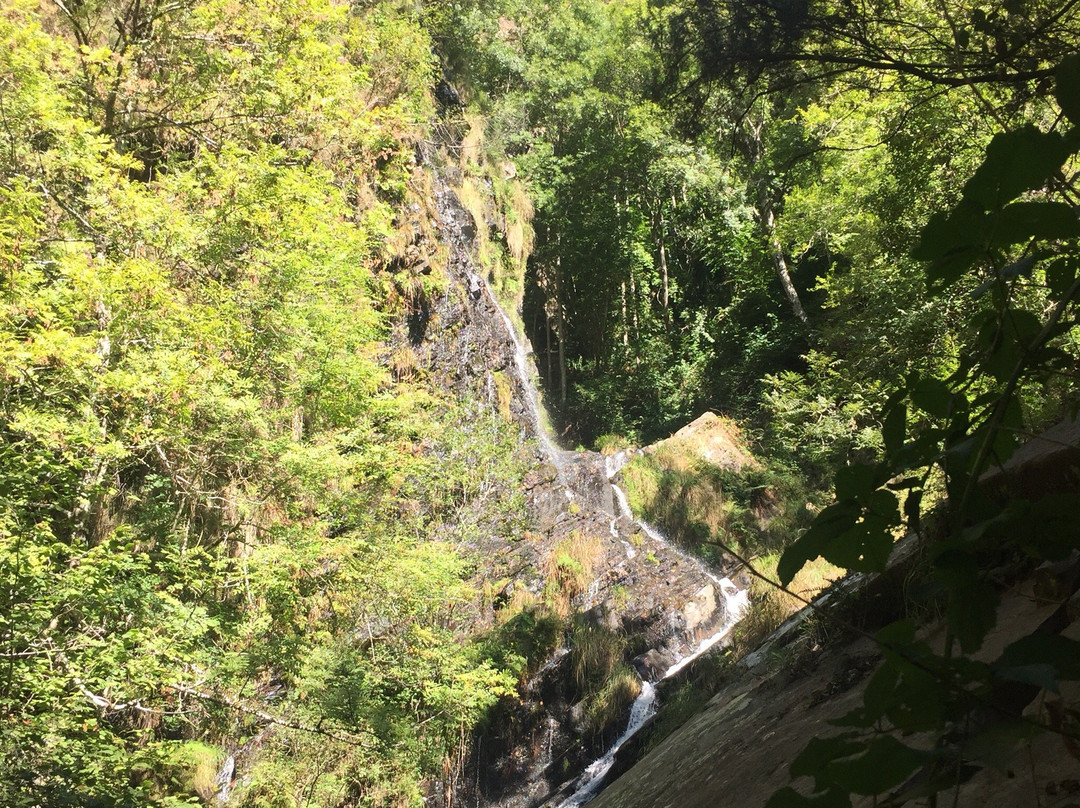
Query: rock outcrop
638	588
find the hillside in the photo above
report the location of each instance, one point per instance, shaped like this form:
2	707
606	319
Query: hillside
441	403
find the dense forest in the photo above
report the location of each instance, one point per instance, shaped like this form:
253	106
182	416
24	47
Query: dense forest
233	498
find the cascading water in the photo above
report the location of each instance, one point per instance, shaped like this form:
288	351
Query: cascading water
644	706
532	397
734	600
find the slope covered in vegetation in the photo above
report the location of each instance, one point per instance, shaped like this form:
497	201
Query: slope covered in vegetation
239	515
853	228
214	489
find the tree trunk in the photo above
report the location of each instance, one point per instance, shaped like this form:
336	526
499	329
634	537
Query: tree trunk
665	286
560	334
768	226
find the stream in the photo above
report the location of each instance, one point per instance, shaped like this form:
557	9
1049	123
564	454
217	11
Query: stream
645	705
735	601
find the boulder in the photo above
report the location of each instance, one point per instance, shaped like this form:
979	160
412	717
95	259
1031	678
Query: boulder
652	665
710	438
700	609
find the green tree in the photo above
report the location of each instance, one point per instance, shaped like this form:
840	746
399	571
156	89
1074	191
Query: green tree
1014	246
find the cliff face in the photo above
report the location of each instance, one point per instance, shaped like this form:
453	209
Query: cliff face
578	558
736	751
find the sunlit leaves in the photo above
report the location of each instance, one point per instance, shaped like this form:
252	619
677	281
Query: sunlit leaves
200	478
964	424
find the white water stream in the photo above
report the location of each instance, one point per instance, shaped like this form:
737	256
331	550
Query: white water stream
532	397
644	706
735	600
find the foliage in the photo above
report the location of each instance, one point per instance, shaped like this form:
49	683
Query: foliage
215	502
1012	244
951	43
702	506
570	568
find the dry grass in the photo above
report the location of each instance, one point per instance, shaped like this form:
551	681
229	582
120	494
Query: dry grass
595	653
521	600
769	607
618	693
504	394
478	202
472	144
808	583
491	193
519	232
404	364
570	568
697	503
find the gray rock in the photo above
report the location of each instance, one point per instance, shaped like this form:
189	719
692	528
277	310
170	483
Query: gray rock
700	609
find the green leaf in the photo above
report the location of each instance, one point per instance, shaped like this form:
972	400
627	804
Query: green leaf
973	603
994	746
1043	648
878	697
1017	161
866	546
832	522
1050	531
913	510
1060	275
819	752
1002	362
932	396
883	765
1067	88
1040	675
897	634
1020	222
858	480
951	242
1024	326
894	428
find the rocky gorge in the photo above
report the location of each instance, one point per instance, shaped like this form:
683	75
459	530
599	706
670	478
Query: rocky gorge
666	606
661	604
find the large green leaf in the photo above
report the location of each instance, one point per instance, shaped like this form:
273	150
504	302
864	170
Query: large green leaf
820	752
972	609
1067	88
933	397
866	545
832	522
859	480
884	764
1022	221
952	242
1043	648
1061	274
1017	161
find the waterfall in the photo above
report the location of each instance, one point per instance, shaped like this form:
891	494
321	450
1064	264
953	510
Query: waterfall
736	602
532	397
734	599
644	706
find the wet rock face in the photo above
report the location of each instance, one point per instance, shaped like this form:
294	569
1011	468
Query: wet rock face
652	665
662	602
584	474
